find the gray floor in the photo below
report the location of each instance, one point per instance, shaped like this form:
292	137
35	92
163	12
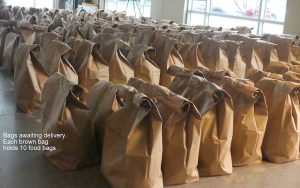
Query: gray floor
32	170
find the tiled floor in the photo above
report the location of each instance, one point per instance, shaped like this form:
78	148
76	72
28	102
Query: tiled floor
32	170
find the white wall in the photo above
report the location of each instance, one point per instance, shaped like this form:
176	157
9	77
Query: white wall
169	10
292	23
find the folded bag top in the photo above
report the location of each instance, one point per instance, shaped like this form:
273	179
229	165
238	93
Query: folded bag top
144	67
133	135
114	51
235	62
247	50
216	109
30	33
267	52
250	119
181	133
191	55
64	113
283	47
30	77
54	56
166	55
213	54
281	141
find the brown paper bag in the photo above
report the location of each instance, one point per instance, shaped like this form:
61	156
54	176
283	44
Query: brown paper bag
90	29
278	67
30	33
247	51
250	119
281	141
3	33
110	30
120	70
215	107
256	75
295	68
89	65
45	40
291	76
250	114
191	37
146	37
181	133
213	54
127	27
113	50
208	72
144	67
54	60
166	55
106	45
126	37
64	113
57	22
133	143
30	78
182	78
235	61
295	55
102	104
191	55
11	43
243	29
266	52
284	46
73	31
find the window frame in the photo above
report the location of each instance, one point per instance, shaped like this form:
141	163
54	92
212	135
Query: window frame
207	13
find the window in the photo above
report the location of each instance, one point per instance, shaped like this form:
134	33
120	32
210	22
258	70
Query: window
265	16
31	3
133	7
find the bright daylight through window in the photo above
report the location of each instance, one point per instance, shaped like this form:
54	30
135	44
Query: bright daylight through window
132	7
265	16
